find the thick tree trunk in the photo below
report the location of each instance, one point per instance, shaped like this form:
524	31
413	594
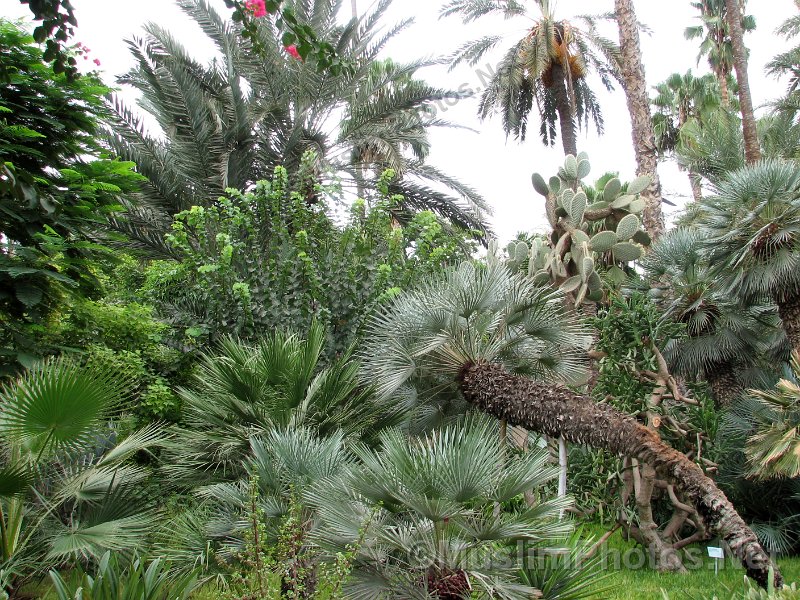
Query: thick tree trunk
557	411
566	113
644	141
724	384
752	150
789	310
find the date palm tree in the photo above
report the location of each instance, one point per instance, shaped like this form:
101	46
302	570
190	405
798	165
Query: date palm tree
490	336
546	70
716	45
228	124
752	228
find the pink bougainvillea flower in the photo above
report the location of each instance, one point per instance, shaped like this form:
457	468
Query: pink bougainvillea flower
292	50
257	7
96	61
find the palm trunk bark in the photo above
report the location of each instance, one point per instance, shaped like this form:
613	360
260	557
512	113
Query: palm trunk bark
566	113
557	411
752	150
724	91
697	188
724	384
789	311
644	140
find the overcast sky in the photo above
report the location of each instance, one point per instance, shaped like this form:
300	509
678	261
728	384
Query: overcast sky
499	168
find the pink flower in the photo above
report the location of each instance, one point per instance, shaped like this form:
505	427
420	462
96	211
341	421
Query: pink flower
292	50
96	61
257	7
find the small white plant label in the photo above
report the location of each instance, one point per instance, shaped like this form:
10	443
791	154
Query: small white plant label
716	552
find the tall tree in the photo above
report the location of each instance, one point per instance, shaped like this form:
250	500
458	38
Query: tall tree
716	43
635	85
752	149
58	187
680	99
229	123
547	69
500	342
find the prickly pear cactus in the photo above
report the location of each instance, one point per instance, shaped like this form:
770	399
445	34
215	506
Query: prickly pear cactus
589	236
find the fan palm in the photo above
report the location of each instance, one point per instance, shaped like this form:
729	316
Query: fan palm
716	41
774	448
228	124
724	337
547	68
244	390
67	488
752	228
488	335
431	527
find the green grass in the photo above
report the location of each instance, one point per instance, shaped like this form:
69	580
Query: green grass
699	584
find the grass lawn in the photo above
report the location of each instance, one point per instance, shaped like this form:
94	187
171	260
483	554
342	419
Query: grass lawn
699	584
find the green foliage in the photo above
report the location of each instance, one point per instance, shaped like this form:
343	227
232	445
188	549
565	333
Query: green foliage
435	527
752	231
268	259
243	391
135	579
57	190
774	448
68	488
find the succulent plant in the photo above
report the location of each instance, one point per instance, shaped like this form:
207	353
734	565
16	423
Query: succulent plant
588	236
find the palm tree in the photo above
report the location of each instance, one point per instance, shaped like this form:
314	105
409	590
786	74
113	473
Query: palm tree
678	100
752	231
432	530
773	450
635	86
724	337
716	43
230	123
547	68
734	17
242	391
68	489
490	337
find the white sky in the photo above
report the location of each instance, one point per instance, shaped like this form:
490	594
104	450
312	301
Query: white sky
499	168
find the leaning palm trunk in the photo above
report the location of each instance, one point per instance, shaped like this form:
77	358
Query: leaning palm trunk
558	412
752	150
644	141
